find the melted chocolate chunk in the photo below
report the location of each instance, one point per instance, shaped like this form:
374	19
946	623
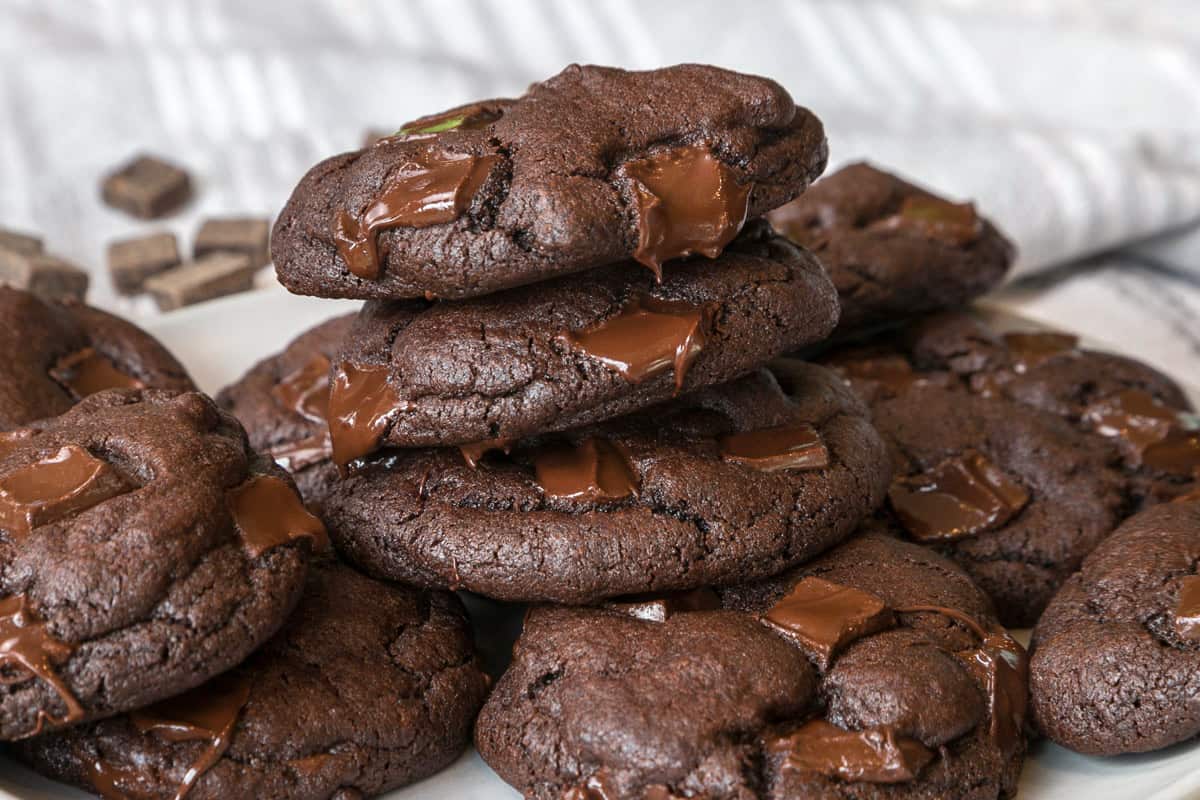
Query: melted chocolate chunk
687	202
822	617
58	485
797	446
647	337
892	371
1187	608
31	651
86	372
206	714
656	608
1000	666
107	779
1178	453
306	392
593	470
1151	433
431	188
875	755
361	403
474	452
1030	350
960	497
268	513
956	224
464	118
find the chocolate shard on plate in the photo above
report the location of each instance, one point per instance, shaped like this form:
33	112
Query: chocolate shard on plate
21	243
249	236
823	617
797	446
1030	350
361	404
687	202
961	496
147	187
658	607
1186	617
269	512
62	483
86	372
875	755
47	276
132	261
594	469
207	278
646	337
28	650
956	224
433	188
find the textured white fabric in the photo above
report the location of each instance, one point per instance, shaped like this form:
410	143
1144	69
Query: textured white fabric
1074	123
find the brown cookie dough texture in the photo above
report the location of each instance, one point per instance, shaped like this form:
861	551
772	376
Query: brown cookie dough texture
593	166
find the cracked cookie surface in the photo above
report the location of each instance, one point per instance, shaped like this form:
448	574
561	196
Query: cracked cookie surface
893	250
505	366
368	687
54	354
704	703
555	190
1116	657
132	566
676	497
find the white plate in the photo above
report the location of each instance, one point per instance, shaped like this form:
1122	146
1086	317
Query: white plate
218	341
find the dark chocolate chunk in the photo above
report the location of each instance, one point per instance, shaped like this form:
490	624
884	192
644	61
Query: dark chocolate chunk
591	471
206	278
823	617
132	261
147	187
1001	667
1150	432
361	404
780	447
268	513
875	755
47	276
249	236
62	483
473	452
1031	350
960	497
1187	608
87	371
956	224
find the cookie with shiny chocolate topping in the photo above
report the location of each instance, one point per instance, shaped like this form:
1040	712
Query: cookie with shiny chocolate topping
576	350
1116	657
653	501
894	250
144	548
54	354
700	703
283	402
368	687
593	166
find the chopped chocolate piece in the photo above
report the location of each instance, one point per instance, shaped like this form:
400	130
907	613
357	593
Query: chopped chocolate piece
132	261
657	607
796	446
49	277
147	187
595	469
62	483
207	278
1187	608
960	497
823	617
249	236
21	243
891	371
268	513
875	755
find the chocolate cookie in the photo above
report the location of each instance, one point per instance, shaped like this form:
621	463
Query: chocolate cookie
54	354
144	548
573	351
283	401
1116	656
594	166
368	687
1015	495
894	250
876	671
729	483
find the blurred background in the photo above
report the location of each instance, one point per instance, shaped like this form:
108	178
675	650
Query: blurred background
1075	124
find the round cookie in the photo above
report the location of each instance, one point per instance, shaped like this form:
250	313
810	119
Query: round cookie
370	686
283	402
53	354
572	351
144	548
894	250
1018	497
1116	657
876	671
726	484
593	166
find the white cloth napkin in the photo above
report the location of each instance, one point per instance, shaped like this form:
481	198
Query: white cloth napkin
1073	123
